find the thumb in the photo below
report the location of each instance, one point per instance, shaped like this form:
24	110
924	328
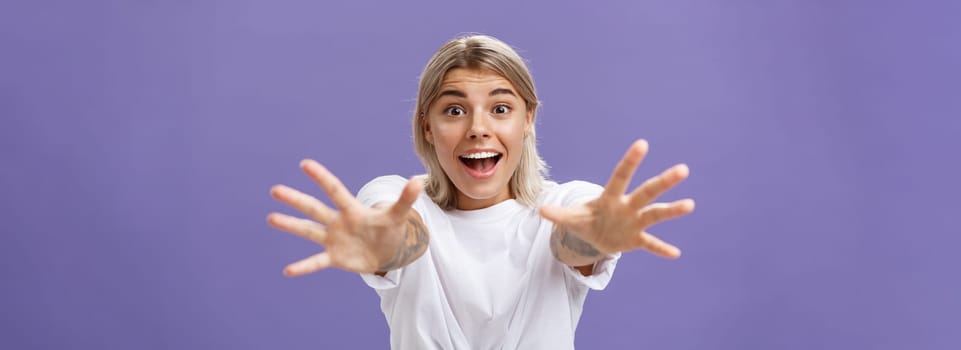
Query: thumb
558	215
407	198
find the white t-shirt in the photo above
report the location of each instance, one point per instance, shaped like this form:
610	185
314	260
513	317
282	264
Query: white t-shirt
488	279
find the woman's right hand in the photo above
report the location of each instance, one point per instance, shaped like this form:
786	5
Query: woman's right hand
356	238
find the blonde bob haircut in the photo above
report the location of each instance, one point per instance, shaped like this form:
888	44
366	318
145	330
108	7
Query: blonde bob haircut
487	53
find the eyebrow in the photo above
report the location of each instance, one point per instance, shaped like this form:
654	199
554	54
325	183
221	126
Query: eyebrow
502	91
455	93
461	94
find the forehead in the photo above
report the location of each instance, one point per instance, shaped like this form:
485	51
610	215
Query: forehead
460	78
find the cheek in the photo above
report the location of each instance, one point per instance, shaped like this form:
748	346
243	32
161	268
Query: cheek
446	137
513	135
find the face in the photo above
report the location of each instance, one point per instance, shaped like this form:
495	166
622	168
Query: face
477	126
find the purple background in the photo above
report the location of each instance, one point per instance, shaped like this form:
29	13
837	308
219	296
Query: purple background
139	141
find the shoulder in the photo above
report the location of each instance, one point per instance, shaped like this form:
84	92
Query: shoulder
381	188
570	192
387	180
388	188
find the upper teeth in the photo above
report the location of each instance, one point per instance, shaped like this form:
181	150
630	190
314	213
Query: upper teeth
479	155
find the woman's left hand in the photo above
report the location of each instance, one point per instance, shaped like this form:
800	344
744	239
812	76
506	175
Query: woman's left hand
616	221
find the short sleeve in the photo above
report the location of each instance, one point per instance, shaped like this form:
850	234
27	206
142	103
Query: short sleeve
383	189
577	192
390	280
598	280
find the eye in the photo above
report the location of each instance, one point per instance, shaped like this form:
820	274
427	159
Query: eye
502	109
454	111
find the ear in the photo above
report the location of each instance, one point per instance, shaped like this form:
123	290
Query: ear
529	123
428	135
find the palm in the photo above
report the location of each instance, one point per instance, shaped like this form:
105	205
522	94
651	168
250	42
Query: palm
616	221
355	238
347	250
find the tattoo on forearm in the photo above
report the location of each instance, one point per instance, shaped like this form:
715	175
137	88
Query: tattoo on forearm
411	248
563	238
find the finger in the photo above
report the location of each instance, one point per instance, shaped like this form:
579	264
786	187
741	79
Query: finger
656	186
658	212
299	227
407	198
559	215
308	265
657	247
303	202
331	185
621	177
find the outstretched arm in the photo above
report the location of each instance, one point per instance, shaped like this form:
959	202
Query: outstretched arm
412	247
615	221
356	238
573	251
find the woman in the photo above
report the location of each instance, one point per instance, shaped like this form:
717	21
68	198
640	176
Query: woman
491	254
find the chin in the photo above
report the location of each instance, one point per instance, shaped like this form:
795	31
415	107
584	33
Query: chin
485	192
481	192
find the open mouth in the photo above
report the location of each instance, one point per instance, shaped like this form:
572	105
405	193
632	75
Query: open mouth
481	164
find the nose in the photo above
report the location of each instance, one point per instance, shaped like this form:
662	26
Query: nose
479	127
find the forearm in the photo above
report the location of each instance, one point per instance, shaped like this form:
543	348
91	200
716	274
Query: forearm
411	247
573	251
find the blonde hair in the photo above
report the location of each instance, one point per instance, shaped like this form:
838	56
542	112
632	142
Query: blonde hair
478	52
